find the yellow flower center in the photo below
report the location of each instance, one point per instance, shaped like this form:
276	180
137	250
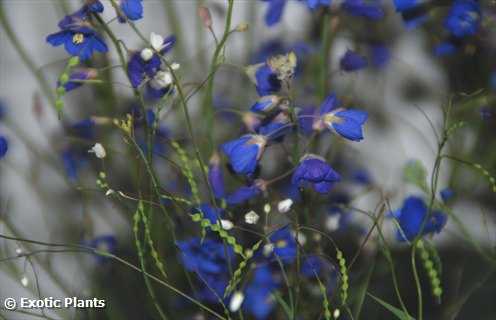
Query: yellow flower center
78	38
281	243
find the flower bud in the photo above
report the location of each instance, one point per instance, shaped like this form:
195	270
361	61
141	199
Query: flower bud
146	54
98	150
242	27
205	16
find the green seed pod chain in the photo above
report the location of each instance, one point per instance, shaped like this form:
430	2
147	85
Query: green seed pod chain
430	268
233	283
344	276
63	79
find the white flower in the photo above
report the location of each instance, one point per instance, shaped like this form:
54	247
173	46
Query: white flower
98	150
24	281
18	251
161	80
284	205
226	224
146	54
336	313
236	301
175	66
267	208
268	249
332	222
251	217
157	41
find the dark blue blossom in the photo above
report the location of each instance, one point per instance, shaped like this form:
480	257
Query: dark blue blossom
380	55
447	194
313	265
352	61
413	12
412	216
266	80
94	6
244	193
346	122
4	146
244	152
258	293
282	245
266	104
130	9
146	63
104	243
445	49
209	259
77	36
463	18
314	172
274	11
84	129
364	8
78	74
315	4
216	177
276	127
72	160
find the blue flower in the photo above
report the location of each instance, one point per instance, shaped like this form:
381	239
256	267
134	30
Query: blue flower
314	4
411	216
283	244
306	119
209	212
216	177
275	127
104	243
244	194
94	6
274	11
266	80
79	74
84	129
72	160
413	12
445	49
77	36
4	146
380	55
352	61
266	104
346	122
244	152
463	18
209	259
146	63
362	8
313	265
131	9
447	194
258	293
314	172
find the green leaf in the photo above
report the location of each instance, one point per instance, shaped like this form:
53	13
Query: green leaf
416	174
397	312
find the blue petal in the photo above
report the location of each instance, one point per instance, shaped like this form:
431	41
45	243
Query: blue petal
133	9
4	146
274	12
58	38
329	104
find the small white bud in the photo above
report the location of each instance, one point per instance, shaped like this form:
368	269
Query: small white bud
226	224
156	41
236	301
175	66
98	150
284	205
146	54
332	222
267	208
18	251
268	249
336	313
24	281
251	217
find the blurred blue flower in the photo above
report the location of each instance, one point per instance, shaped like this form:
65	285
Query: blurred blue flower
352	61
266	104
315	4
364	8
447	194
105	243
266	80
243	194
361	176
78	74
346	122
216	177
444	49
274	11
276	127
4	146
314	172
411	216
463	18
72	160
84	129
77	36
209	259
380	55
131	9
244	152
94	6
313	265
284	245
413	12
258	293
